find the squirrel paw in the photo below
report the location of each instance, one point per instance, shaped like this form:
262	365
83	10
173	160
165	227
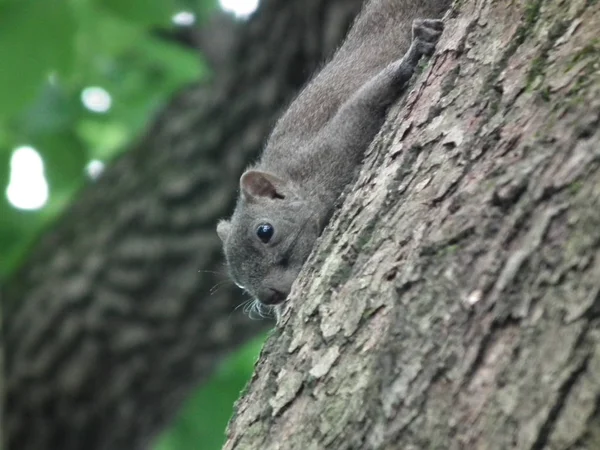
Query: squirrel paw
425	33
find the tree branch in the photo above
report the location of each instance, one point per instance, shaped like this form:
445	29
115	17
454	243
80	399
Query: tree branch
110	324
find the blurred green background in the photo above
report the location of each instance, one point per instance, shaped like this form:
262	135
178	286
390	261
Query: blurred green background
79	81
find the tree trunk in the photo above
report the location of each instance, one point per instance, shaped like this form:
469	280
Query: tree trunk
109	324
453	303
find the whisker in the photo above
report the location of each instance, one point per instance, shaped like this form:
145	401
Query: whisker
214	272
258	309
216	287
252	310
243	304
266	311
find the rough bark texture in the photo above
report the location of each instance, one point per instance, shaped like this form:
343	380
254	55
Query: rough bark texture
110	324
453	303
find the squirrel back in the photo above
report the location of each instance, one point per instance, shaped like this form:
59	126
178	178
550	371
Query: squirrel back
287	198
381	34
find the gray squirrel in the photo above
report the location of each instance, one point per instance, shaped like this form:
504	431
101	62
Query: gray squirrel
315	149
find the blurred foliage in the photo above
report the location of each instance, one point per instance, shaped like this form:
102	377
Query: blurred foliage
201	424
50	51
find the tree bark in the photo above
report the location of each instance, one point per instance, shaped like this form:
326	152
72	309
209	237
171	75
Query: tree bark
109	324
454	300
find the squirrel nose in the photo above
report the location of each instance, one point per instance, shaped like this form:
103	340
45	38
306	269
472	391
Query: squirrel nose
271	296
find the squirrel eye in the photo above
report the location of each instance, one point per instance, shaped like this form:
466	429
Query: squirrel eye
265	232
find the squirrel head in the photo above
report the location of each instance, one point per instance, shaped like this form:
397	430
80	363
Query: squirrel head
271	233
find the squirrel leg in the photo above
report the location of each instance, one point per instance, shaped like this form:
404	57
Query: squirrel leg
361	116
384	88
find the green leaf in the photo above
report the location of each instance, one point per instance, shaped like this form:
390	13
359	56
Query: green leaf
19	229
180	65
53	111
64	158
77	44
5	140
103	37
144	12
203	419
104	139
36	38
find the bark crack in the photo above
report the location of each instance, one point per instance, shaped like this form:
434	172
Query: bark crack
565	389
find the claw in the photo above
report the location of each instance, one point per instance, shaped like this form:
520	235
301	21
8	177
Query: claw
435	24
428	30
426	33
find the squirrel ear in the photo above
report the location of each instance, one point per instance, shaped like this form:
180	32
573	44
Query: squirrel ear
256	184
223	229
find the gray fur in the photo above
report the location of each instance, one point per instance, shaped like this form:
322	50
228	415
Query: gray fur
316	147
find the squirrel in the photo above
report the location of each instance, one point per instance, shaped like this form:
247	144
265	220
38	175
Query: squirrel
316	147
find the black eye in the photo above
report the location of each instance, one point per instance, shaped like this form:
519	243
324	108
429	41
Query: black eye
265	232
